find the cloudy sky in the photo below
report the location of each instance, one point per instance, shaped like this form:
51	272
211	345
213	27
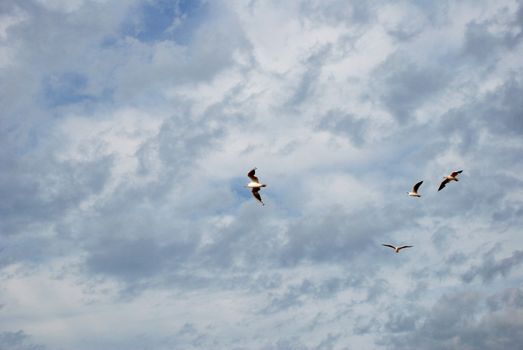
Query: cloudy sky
127	129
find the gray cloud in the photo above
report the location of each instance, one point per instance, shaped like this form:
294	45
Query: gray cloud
401	321
17	341
294	295
403	86
354	12
483	43
507	107
459	320
306	85
336	235
41	190
491	268
346	124
509	298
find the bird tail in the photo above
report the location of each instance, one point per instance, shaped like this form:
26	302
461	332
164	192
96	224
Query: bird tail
264	185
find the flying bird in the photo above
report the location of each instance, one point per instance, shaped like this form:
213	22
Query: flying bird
255	185
397	249
414	192
452	177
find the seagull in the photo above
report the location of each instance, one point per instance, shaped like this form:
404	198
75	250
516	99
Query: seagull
397	249
414	192
255	185
449	178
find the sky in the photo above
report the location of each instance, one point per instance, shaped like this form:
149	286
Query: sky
127	129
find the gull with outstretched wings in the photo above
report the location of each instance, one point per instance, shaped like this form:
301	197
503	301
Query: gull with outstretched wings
397	249
414	192
452	177
255	185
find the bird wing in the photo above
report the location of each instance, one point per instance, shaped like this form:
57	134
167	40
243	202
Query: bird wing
416	186
443	183
256	194
251	175
390	246
405	246
455	173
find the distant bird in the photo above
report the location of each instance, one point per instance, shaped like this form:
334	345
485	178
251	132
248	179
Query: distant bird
255	185
449	178
414	192
397	249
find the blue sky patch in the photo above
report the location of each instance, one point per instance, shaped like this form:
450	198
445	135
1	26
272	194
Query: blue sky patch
163	20
65	88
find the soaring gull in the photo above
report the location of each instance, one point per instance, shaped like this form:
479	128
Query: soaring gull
414	192
255	185
397	249
452	177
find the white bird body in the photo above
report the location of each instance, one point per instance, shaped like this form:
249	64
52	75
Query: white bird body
253	184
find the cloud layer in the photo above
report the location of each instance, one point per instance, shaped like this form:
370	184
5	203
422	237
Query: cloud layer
127	129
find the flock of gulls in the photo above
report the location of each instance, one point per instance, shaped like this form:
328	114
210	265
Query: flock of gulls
255	185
